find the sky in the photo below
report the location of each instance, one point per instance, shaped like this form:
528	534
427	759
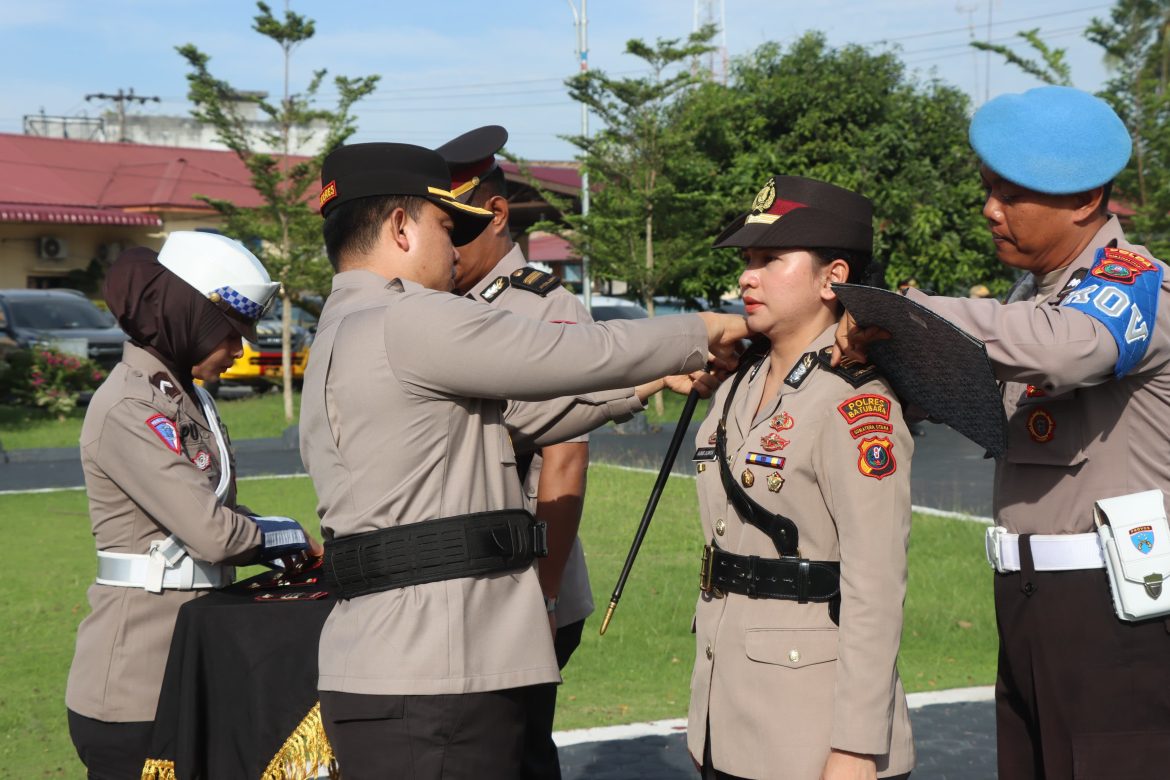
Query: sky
451	65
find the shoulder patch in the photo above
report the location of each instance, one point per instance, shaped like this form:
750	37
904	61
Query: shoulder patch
867	405
856	374
534	281
1121	292
164	428
877	457
492	291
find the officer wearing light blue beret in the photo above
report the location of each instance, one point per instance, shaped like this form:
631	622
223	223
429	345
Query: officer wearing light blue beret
1082	347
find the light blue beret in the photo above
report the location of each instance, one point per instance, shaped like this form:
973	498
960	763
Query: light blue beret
1056	140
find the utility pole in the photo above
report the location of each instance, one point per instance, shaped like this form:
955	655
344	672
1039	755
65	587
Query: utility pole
581	22
122	98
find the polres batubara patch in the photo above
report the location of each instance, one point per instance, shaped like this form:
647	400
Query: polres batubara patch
867	405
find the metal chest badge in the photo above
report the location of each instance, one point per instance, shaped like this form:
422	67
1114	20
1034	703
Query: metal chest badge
747	478
772	442
775	482
877	457
781	422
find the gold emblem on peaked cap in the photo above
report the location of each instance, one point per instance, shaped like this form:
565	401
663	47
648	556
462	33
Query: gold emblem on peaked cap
765	197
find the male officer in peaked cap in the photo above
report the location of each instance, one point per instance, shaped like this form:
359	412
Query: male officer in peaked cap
493	269
440	632
1082	346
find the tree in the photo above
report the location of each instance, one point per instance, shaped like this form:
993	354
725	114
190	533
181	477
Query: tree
1051	68
853	118
640	227
286	230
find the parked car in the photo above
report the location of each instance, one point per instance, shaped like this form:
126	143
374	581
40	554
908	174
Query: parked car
64	319
607	307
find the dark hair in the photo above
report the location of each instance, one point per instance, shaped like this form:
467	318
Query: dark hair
858	262
353	227
490	186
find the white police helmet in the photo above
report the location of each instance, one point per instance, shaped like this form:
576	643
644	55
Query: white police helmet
225	271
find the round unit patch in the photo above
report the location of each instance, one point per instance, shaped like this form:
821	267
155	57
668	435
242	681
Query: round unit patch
1041	427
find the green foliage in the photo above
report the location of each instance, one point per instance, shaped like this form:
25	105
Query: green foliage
1136	43
853	118
641	227
47	379
285	232
1051	68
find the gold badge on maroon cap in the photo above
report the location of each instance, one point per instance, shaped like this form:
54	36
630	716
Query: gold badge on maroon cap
471	157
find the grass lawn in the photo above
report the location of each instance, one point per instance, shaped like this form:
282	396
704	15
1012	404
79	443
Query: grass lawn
639	671
250	417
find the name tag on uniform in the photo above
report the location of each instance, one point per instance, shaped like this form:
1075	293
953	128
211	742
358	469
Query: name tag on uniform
704	453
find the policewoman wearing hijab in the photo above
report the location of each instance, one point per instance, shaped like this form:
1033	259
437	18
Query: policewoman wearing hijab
159	478
804	494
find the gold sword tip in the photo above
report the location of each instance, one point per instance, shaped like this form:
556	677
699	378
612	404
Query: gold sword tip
608	615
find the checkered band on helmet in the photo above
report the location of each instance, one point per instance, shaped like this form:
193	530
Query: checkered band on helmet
240	303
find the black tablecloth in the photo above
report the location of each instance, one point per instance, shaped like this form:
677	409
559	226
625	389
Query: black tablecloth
241	677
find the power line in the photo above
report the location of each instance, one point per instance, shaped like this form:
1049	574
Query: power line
1002	23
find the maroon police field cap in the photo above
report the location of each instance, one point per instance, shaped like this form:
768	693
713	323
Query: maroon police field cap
374	169
472	158
795	212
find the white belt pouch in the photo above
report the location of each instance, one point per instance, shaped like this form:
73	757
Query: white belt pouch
1136	540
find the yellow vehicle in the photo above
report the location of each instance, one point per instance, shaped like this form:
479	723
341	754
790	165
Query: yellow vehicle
260	365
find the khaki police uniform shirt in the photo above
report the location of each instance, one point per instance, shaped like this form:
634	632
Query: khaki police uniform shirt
141	490
402	422
1107	436
778	683
575	599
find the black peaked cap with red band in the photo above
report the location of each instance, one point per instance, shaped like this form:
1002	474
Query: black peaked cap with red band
795	212
369	170
472	157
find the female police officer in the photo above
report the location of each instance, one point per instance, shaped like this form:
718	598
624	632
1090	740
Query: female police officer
158	474
804	492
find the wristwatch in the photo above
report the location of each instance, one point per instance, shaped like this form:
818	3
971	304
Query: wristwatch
550	603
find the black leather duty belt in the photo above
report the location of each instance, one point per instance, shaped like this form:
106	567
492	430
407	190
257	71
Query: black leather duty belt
792	579
444	549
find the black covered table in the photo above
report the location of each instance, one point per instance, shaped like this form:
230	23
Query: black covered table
239	696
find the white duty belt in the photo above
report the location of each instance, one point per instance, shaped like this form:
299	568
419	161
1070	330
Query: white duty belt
166	567
1050	552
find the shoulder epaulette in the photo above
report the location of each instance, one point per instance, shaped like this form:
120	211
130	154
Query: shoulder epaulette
534	280
498	285
856	374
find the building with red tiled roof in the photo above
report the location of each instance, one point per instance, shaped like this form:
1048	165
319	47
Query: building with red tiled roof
67	204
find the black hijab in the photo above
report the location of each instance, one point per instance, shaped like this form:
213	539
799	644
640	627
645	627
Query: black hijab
162	313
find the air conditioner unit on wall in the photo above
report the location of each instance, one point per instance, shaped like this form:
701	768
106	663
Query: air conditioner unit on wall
52	248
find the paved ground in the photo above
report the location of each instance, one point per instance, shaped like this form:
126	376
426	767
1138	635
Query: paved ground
949	473
954	742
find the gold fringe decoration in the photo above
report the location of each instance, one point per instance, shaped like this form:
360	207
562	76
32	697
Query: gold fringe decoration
157	769
305	752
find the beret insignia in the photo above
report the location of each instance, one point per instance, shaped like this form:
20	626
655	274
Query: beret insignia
765	197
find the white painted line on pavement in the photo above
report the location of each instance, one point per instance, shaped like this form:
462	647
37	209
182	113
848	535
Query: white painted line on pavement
664	728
